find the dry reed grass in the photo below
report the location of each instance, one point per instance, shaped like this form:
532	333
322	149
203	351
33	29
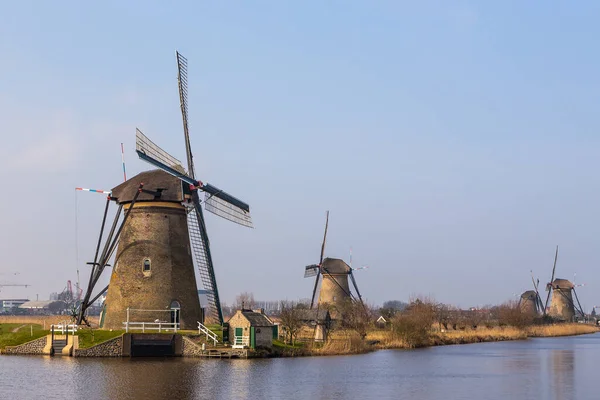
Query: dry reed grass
351	344
560	330
385	339
43	320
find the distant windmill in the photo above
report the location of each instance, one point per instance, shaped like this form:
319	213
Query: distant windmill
562	306
163	227
530	302
332	274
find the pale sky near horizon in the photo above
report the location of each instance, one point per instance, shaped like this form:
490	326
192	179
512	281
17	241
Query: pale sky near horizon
454	143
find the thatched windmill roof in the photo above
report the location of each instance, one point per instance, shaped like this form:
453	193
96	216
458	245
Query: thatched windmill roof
172	188
562	284
529	295
335	266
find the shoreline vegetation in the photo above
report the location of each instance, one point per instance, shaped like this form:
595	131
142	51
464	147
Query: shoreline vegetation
426	323
342	342
348	343
420	325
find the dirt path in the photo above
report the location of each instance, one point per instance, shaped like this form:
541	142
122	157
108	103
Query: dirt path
17	329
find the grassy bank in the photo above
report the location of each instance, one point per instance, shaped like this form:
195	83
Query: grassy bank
15	333
89	337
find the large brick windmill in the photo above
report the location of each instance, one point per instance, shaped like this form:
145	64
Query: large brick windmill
162	235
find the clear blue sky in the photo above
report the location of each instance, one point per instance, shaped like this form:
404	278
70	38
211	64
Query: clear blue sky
455	143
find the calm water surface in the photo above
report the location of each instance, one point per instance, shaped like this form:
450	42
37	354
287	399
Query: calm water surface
561	368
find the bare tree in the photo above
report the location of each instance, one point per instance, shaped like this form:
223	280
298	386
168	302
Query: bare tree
413	325
291	320
442	315
245	300
358	317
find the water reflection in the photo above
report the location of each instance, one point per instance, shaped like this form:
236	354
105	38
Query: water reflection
562	375
562	368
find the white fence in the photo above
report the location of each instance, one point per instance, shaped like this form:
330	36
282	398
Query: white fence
157	325
151	326
239	342
63	327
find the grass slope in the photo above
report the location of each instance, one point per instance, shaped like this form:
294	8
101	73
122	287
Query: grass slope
22	335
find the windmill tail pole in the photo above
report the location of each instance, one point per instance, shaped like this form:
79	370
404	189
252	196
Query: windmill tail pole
578	303
108	254
92	272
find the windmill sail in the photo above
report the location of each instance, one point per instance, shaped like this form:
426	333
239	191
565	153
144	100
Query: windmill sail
217	201
320	265
225	209
355	286
161	158
202	259
183	93
311	270
549	286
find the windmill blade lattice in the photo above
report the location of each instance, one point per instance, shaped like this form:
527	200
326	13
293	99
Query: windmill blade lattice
145	146
225	209
311	270
203	264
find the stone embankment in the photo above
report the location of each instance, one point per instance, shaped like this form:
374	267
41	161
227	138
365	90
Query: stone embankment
34	347
191	349
110	348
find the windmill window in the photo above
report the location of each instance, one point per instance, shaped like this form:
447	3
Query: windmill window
147	265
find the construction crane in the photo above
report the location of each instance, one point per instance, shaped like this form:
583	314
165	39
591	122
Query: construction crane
11	284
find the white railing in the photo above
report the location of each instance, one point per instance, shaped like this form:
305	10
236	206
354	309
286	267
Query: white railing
63	327
209	334
156	325
239	342
151	326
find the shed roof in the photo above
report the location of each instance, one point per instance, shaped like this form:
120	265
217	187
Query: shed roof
256	318
172	188
335	266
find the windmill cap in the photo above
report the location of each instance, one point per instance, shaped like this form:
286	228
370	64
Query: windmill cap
530	294
562	284
171	187
335	266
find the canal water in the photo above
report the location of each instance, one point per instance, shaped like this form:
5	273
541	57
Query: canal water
548	369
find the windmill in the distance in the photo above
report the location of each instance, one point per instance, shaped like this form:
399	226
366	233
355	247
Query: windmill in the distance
562	306
332	274
163	227
530	302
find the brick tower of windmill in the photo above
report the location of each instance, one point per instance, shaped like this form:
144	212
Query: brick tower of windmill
528	303
335	288
153	269
561	305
